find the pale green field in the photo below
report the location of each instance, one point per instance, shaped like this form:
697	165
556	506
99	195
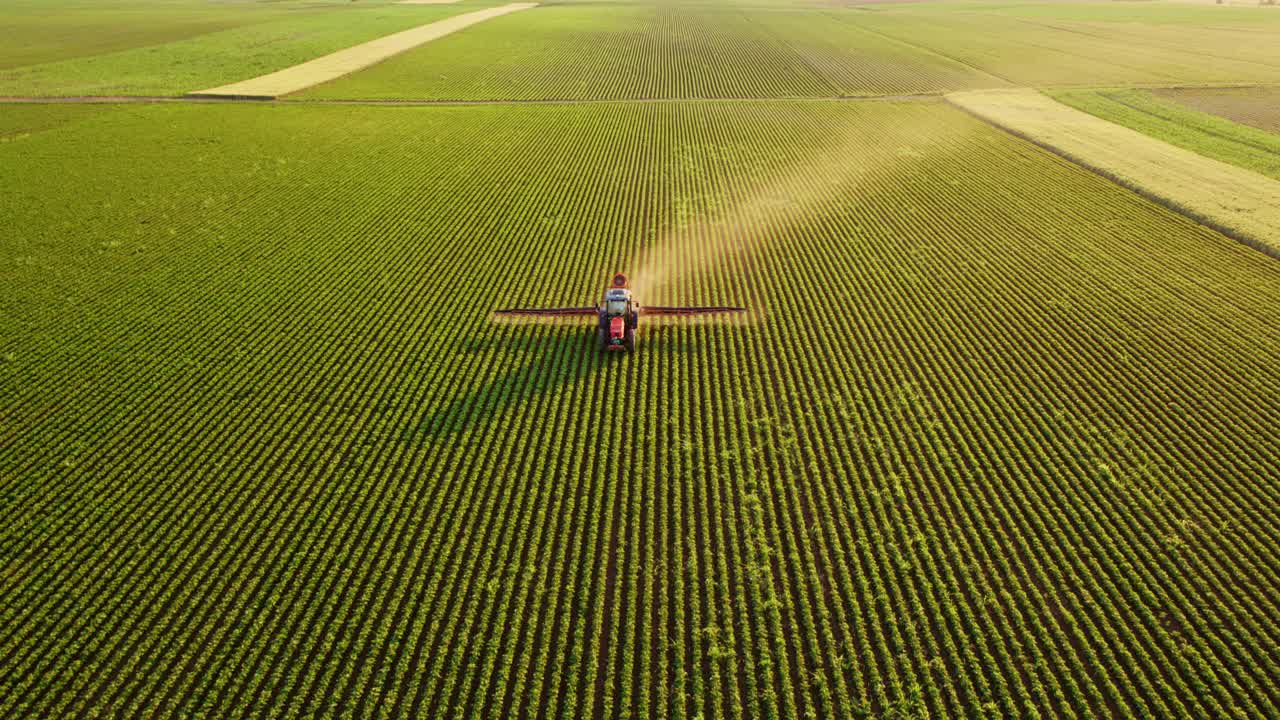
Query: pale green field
1145	13
1088	44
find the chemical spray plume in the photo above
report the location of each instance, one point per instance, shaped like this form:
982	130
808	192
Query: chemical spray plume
794	189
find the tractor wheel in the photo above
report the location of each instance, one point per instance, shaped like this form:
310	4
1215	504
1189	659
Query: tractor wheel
602	338
629	340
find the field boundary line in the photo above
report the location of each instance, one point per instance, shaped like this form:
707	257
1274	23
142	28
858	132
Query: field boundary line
892	97
1239	203
261	100
343	62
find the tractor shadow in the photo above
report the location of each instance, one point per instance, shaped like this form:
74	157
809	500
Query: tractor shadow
557	360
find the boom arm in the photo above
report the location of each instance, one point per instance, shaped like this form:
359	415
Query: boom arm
673	310
549	312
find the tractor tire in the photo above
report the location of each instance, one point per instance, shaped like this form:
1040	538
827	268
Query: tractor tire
602	338
629	340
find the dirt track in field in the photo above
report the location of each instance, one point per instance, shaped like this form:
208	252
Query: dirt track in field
1237	202
343	62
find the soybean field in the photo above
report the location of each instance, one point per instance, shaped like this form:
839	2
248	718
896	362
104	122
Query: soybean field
997	436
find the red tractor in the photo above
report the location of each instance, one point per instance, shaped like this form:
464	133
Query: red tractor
618	317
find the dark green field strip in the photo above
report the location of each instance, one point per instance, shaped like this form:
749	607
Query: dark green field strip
998	437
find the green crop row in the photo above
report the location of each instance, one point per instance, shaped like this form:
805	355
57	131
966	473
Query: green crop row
998	437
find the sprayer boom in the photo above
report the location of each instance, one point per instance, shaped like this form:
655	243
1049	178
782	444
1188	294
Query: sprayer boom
618	315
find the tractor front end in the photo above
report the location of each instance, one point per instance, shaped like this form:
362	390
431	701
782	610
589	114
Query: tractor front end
617	334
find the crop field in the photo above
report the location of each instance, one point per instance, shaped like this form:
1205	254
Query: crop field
998	437
217	58
1237	201
17	121
352	59
608	50
1175	123
594	52
1257	107
40	31
1090	44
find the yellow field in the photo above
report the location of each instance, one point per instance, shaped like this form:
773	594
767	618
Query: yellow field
334	65
1236	201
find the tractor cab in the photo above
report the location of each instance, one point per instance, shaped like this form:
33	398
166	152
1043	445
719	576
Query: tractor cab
617	301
